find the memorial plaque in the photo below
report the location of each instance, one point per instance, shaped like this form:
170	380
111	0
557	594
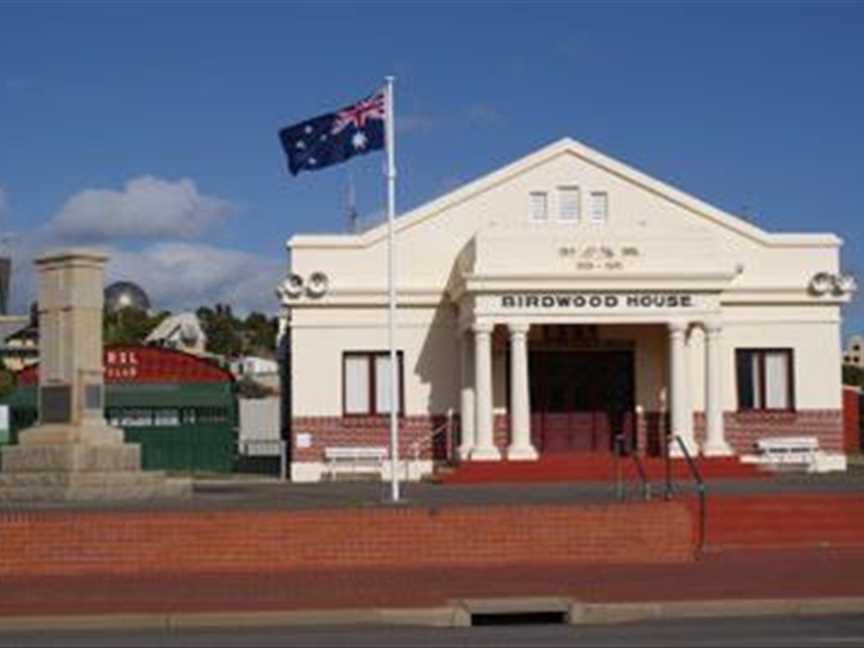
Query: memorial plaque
56	404
93	397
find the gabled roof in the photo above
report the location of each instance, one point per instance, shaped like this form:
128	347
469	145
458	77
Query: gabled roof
566	146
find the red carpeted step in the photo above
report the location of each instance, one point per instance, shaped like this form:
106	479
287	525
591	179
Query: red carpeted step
592	467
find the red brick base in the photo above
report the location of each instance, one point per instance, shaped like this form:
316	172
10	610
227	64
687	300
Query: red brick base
742	431
242	541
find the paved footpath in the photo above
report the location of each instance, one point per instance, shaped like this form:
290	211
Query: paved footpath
725	575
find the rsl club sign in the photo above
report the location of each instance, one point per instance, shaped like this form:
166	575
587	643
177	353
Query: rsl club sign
606	301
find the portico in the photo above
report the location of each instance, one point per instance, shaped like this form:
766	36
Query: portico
675	395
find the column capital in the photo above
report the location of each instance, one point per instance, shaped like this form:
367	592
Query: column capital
518	328
676	327
713	326
480	328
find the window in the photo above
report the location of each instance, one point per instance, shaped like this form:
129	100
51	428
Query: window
136	417
765	379
568	204
539	206
599	212
366	383
211	415
166	417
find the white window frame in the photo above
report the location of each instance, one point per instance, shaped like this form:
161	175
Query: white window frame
534	196
592	212
569	189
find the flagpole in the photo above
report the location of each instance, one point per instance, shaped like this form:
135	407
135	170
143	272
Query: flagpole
391	279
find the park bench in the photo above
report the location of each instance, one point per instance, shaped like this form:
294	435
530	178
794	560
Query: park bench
788	452
354	460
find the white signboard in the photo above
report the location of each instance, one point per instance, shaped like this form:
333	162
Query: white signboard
4	418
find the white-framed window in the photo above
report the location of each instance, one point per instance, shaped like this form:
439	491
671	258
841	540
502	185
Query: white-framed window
366	382
765	379
539	206
569	204
599	207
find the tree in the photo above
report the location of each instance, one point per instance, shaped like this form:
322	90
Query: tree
259	333
7	382
129	325
853	375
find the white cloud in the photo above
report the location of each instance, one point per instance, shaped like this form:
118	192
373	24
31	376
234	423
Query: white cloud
146	208
4	204
183	276
177	274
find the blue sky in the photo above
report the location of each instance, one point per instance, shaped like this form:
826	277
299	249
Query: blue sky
130	110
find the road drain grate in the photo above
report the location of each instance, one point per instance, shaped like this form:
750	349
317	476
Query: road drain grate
518	618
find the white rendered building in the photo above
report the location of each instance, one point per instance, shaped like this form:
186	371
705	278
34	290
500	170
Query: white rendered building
555	303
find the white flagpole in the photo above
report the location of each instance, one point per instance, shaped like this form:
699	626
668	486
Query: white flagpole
389	135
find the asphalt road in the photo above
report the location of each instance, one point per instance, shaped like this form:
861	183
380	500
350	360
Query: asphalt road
791	632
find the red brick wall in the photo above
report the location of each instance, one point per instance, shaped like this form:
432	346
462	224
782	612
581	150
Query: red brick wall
744	428
235	541
414	431
851	419
742	431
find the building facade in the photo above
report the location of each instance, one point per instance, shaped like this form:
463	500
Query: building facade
555	304
182	409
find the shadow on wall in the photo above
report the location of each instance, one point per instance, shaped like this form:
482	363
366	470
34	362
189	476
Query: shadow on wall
438	366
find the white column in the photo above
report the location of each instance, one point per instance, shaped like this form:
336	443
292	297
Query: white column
715	438
677	389
467	416
520	409
484	447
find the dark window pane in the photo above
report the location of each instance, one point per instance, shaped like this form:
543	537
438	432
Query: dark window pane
744	369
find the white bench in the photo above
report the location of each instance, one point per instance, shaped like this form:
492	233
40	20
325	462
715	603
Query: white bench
354	459
788	451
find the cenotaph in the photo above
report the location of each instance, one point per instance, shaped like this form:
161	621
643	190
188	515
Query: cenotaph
72	453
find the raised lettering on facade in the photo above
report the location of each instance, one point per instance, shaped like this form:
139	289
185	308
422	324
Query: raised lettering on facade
595	300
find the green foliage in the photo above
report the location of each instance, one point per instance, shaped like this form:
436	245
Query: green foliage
853	375
7	382
231	336
129	326
248	388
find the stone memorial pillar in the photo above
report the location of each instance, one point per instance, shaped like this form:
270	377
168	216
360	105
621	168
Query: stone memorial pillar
72	453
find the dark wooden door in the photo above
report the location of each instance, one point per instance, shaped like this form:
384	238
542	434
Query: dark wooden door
580	399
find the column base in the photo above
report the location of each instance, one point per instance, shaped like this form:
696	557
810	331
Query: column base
485	454
721	449
464	452
523	453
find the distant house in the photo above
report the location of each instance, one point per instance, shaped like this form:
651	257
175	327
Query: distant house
181	332
19	342
853	354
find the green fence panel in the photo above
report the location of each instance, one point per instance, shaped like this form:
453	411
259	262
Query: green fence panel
204	447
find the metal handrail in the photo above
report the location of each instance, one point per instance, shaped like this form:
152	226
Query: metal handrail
640	467
436	432
700	485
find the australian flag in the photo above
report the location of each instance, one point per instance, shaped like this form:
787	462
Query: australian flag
335	137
